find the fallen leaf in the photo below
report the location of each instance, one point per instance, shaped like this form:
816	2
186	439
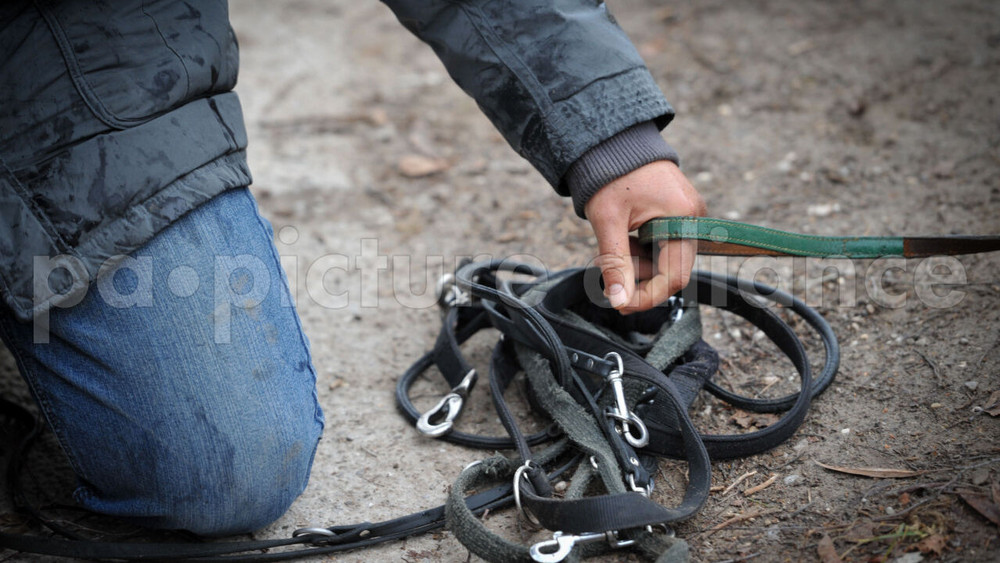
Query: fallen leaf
864	530
742	419
874	472
827	551
417	166
763	420
983	505
745	419
993	405
933	543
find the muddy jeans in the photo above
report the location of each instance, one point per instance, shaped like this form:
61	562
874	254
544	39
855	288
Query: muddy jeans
181	387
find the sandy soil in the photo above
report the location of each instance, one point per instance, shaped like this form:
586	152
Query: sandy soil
820	117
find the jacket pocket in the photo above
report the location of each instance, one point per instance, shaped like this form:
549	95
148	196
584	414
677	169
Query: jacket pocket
132	60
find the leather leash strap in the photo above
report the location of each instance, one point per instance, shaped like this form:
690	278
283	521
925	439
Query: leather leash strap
732	238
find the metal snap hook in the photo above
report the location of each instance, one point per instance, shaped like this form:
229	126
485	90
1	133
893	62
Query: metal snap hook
626	419
447	408
560	546
640	441
439	419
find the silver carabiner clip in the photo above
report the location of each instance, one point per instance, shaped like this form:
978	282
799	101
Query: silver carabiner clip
438	421
626	419
560	546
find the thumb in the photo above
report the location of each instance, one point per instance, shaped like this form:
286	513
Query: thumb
615	261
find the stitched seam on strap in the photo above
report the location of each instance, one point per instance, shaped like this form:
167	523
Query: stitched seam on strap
823	238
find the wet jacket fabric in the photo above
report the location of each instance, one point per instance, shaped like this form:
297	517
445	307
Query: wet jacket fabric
118	117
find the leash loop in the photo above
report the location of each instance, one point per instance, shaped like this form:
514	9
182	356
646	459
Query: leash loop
439	420
620	412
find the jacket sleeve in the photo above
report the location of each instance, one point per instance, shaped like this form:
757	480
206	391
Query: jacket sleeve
556	77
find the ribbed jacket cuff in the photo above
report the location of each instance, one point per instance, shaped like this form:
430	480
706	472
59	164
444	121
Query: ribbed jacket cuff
632	148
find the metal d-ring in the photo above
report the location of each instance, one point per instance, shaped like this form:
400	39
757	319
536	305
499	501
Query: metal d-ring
324	532
517	493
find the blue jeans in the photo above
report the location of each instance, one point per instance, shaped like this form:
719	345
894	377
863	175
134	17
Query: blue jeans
181	387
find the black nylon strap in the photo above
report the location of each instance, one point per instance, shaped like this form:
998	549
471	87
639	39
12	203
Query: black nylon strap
665	440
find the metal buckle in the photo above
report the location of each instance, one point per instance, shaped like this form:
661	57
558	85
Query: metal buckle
556	549
447	408
449	294
620	412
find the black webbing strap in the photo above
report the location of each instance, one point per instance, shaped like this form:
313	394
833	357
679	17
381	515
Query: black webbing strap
665	439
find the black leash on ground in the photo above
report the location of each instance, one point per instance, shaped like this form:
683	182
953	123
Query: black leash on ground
612	414
617	387
617	391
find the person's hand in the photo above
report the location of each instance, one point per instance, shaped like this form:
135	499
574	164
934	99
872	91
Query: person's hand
658	189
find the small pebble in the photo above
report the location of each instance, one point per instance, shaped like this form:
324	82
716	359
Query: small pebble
561	486
911	557
845	431
972	385
936	405
793	479
823	209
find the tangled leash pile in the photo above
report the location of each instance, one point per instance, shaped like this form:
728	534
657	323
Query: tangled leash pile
617	390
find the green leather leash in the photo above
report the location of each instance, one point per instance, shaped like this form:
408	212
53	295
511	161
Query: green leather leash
732	238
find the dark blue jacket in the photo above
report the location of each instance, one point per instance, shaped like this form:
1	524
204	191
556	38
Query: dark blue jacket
118	116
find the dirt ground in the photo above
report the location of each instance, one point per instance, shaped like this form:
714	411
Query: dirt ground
821	117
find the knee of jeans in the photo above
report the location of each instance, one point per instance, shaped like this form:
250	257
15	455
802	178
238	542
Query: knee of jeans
248	486
220	483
